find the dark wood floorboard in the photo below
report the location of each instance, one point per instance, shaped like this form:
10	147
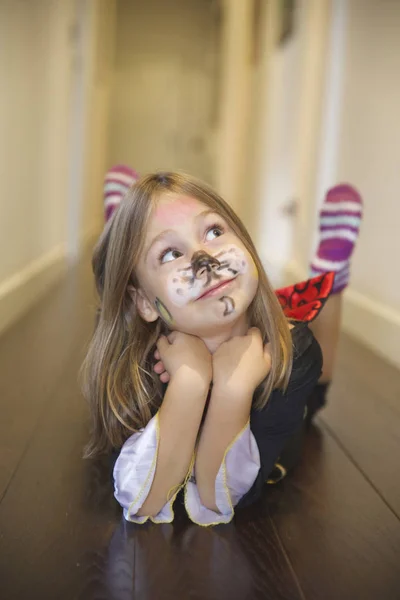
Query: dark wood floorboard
59	520
342	539
358	363
328	532
363	414
62	535
34	354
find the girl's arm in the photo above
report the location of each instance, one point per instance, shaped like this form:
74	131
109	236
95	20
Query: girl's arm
283	415
239	366
154	461
228	413
238	483
179	421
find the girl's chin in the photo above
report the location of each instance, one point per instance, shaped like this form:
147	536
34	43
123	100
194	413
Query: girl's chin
211	316
215	325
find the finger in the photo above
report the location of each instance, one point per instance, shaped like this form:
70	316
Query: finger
267	353
164	377
254	332
159	367
172	336
162	344
157	355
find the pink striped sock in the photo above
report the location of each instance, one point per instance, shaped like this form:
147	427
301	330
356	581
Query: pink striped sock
117	182
340	220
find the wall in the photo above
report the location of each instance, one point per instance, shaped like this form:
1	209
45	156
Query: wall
98	54
235	101
347	99
35	82
314	23
41	184
369	156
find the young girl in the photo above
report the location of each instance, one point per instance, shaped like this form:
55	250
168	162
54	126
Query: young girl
194	372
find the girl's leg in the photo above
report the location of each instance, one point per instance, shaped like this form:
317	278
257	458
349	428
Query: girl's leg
326	329
340	220
117	182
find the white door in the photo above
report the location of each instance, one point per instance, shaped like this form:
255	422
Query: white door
277	219
163	86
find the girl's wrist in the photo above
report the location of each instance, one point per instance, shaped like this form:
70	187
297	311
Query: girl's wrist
192	380
230	406
233	392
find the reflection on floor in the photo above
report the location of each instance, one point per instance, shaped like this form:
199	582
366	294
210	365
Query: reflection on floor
330	531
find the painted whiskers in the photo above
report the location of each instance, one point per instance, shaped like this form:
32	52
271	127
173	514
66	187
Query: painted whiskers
191	282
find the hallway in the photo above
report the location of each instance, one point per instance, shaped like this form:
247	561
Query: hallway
211	87
330	531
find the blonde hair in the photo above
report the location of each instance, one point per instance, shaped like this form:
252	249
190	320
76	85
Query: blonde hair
118	379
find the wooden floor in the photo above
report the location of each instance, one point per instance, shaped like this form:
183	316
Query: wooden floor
330	531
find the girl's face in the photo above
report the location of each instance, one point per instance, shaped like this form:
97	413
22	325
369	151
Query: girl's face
194	272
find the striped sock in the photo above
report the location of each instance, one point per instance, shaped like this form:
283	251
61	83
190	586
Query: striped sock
117	182
340	220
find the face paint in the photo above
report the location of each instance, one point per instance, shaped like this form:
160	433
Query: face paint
229	305
188	284
202	264
163	311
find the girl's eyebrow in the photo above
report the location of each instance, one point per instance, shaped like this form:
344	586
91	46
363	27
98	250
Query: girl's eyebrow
166	231
156	239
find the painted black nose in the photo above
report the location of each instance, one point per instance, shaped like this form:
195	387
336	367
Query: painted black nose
203	263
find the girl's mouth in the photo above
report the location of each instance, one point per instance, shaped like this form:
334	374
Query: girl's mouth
216	289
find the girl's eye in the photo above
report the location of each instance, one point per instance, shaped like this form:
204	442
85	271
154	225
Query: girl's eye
169	255
214	232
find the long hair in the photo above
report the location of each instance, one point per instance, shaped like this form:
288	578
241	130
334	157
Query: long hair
118	379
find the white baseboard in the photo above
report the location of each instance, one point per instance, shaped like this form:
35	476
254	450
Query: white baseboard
23	289
20	291
372	323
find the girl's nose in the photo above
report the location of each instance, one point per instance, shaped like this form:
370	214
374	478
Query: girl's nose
202	263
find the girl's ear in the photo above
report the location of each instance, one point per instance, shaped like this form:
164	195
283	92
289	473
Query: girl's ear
144	307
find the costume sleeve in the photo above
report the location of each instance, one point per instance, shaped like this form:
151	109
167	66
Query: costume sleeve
134	473
283	415
304	301
236	475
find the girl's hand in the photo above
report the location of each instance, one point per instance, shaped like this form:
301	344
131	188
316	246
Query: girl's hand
160	369
184	355
241	363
